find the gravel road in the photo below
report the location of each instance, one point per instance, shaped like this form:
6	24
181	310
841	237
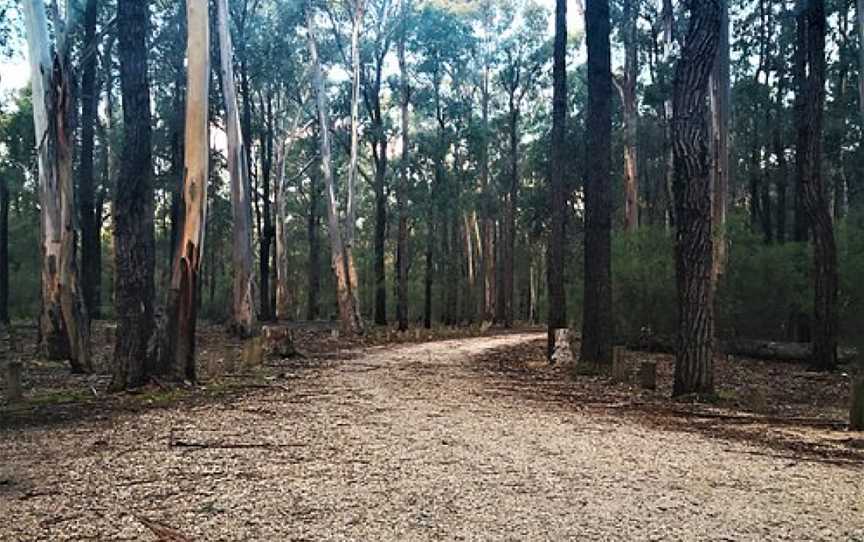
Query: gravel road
407	443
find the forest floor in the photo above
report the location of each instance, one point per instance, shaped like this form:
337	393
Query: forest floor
473	438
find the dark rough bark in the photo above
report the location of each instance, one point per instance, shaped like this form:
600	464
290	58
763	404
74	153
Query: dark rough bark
780	152
380	236
597	323
799	74
177	122
811	18
509	246
692	187
372	97
402	189
90	238
267	228
856	411
429	275
4	251
133	204
557	317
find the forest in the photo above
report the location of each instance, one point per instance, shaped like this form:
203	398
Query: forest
267	230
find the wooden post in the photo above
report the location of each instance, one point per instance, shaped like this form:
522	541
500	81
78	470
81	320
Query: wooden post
620	372
856	412
13	381
253	352
648	375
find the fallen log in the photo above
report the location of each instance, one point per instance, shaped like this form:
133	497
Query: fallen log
764	350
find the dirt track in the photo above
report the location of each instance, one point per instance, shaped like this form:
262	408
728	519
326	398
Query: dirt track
407	443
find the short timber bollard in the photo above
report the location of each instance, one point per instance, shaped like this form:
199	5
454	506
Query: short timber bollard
620	371
13	381
648	375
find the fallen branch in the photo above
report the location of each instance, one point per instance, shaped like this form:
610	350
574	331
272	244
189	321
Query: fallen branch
764	350
163	532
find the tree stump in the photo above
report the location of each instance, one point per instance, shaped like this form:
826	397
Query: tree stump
563	354
648	375
280	341
620	368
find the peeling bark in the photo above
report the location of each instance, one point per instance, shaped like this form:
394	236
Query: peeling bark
179	356
243	316
63	325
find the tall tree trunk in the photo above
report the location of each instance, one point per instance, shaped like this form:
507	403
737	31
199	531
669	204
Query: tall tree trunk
267	230
629	99
802	159
177	124
487	280
812	17
133	205
283	293
380	241
428	279
243	317
4	251
379	157
64	326
668	16
694	252
402	189
557	315
860	16
312	236
351	207
349	310
179	356
90	238
510	238
780	152
721	90
597	323
283	301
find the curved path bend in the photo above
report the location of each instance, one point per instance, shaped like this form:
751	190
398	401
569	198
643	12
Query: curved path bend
406	443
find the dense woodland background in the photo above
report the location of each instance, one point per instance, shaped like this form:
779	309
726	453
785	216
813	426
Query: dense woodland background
448	168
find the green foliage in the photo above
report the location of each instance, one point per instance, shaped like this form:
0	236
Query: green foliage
763	284
643	282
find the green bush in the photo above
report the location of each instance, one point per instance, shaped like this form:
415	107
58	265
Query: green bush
643	282
763	284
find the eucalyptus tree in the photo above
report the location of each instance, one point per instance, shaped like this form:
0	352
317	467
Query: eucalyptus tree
523	56
243	314
441	47
383	14
349	310
64	327
626	86
178	358
404	86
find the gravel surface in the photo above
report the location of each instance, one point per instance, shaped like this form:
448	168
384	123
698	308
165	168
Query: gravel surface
407	443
